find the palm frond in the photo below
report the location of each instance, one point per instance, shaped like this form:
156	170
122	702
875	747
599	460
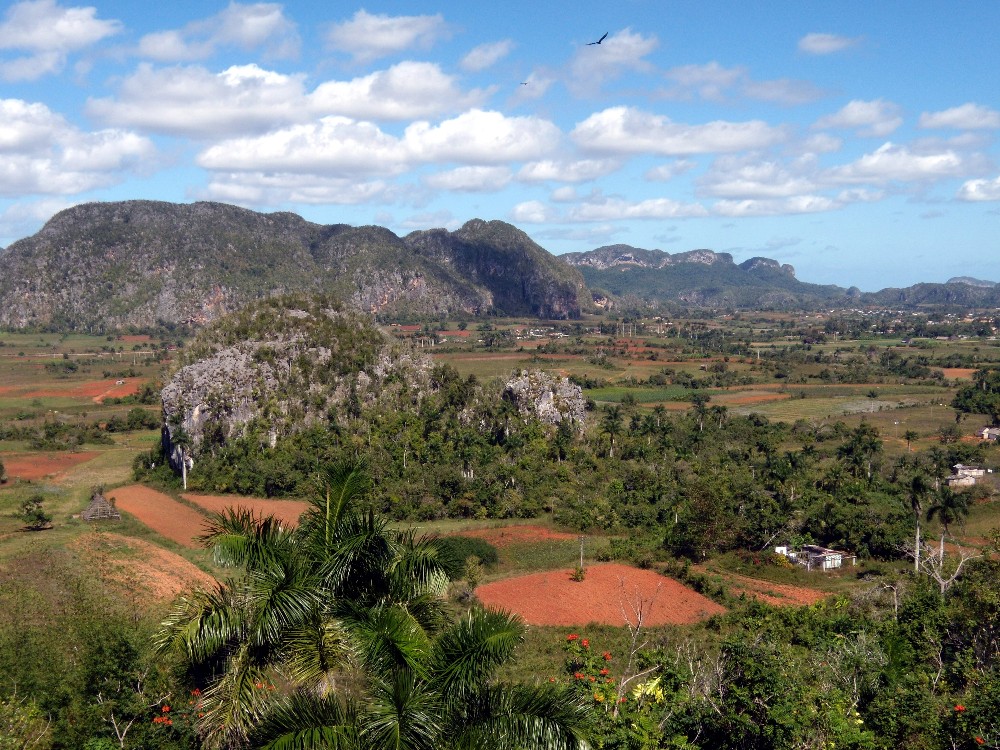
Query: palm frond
512	717
315	649
468	654
388	639
235	703
402	714
304	721
240	538
202	625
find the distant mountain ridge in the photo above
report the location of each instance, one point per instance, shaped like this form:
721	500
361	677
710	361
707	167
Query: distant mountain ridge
108	265
697	277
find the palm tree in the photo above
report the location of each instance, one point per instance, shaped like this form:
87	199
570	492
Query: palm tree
346	615
949	507
611	423
919	489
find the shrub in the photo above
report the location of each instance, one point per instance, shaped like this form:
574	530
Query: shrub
456	550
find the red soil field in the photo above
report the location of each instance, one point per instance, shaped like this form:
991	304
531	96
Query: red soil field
161	513
96	390
286	510
958	373
138	569
608	595
40	465
509	535
775	594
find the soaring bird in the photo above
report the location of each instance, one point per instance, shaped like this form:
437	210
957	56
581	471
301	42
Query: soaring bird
599	40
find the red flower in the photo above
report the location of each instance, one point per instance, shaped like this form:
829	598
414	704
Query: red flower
593	679
607	656
552	679
196	692
572	637
980	741
959	708
578	675
605	671
165	709
585	643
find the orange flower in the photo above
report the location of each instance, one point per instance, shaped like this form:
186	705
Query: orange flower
593	679
572	637
585	643
960	708
607	656
980	741
165	709
605	671
578	675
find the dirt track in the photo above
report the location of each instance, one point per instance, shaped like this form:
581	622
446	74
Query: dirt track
161	513
286	510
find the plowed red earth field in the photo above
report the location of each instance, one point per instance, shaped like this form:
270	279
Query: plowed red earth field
509	535
161	513
286	510
40	465
608	595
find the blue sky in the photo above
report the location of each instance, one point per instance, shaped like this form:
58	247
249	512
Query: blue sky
855	141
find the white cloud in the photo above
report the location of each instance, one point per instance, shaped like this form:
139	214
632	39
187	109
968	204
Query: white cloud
535	86
594	65
800	204
565	194
256	26
968	116
336	146
49	32
486	55
714	82
531	212
890	163
471	179
195	102
567	171
875	118
754	178
482	137
826	44
367	37
20	219
341	146
625	130
269	189
404	91
45	155
980	190
610	209
821	143
667	172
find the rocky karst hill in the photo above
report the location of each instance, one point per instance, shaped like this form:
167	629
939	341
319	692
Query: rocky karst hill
286	364
106	265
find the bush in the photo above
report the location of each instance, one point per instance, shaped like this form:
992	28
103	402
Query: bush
455	550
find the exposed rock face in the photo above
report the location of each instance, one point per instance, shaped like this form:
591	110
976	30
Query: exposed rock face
615	256
274	370
100	266
551	399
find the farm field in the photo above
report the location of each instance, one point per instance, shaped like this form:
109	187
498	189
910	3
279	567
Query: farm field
608	595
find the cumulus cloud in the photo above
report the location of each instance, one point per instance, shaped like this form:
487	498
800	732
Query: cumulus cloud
486	55
800	204
579	170
256	26
594	65
875	118
626	130
754	178
49	33
367	36
42	154
980	190
269	189
610	209
342	146
482	137
667	172
531	212
195	102
825	44
968	116
891	163
715	82
405	91
471	179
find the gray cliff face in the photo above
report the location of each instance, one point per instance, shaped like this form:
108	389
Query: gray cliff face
626	256
549	398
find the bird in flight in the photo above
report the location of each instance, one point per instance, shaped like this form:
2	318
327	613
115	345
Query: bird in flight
599	40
